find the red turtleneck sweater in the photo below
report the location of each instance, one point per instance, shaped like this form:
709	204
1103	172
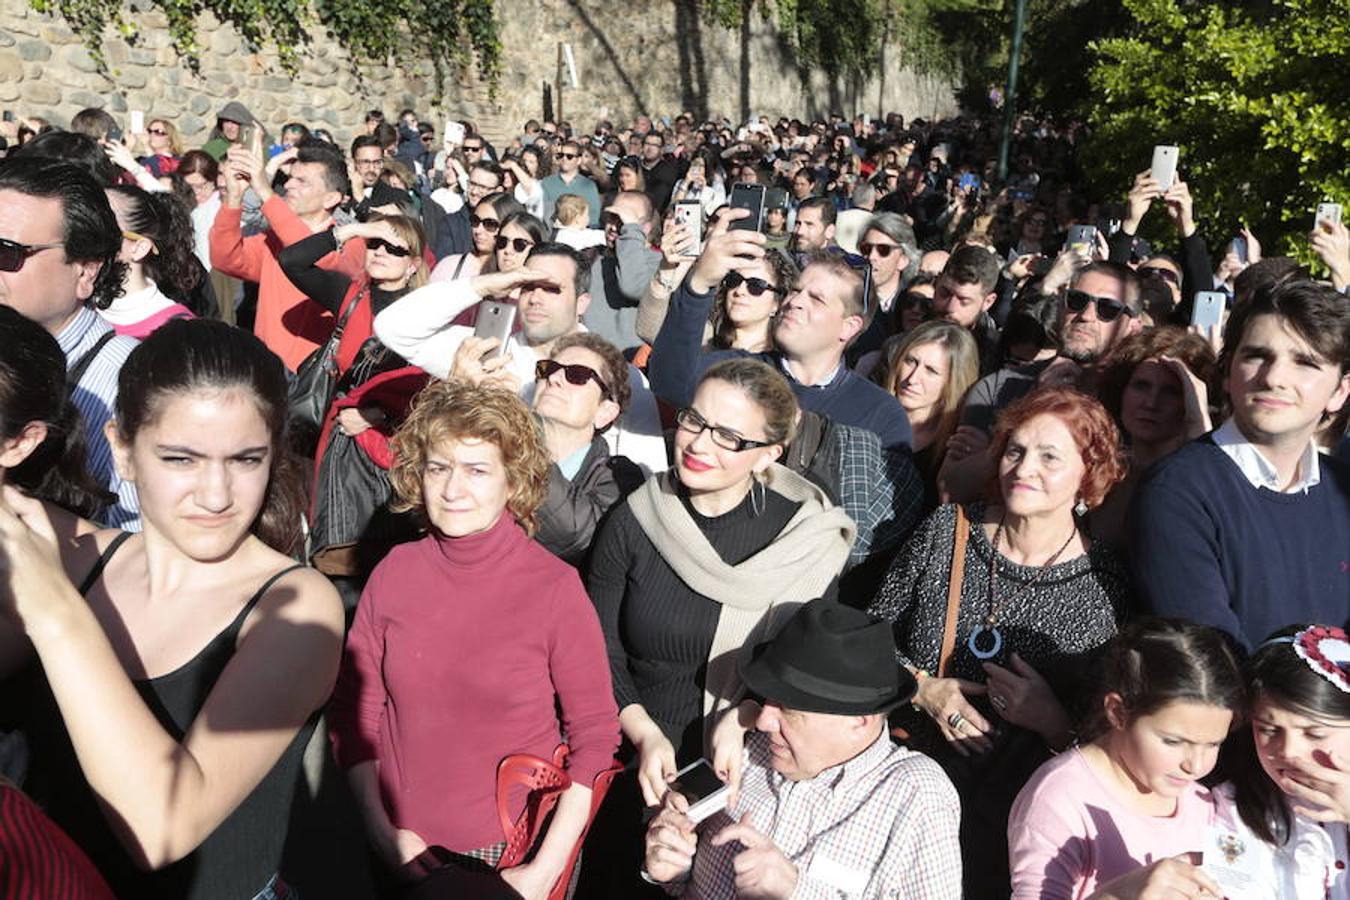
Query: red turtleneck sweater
458	648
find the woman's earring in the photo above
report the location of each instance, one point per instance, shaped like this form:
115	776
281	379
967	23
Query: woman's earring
757	496
1080	508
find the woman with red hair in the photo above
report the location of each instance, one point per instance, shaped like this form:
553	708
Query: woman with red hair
1034	597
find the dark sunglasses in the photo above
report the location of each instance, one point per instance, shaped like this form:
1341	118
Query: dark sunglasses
568	155
489	225
865	248
1108	309
756	286
13	254
1158	272
477	149
690	421
387	247
575	373
858	264
158	132
520	245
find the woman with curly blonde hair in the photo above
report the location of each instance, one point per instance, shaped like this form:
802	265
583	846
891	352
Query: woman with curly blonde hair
463	643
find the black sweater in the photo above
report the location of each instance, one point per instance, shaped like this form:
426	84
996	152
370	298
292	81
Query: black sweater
657	630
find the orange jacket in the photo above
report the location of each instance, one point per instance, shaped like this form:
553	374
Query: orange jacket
288	322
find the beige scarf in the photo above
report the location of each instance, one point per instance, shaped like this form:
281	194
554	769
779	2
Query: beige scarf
759	594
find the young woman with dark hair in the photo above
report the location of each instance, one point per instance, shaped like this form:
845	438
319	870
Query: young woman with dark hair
179	672
1170	692
157	246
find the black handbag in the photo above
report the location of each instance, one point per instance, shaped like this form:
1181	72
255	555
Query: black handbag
311	393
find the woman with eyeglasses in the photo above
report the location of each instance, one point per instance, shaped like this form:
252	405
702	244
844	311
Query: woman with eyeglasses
747	303
1034	235
165	146
703	558
485	223
202	174
157	247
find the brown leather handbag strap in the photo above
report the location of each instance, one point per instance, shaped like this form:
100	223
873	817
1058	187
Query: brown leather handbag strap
954	592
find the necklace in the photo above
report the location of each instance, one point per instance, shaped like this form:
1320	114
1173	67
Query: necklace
995	645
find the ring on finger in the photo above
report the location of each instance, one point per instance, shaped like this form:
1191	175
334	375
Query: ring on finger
955	720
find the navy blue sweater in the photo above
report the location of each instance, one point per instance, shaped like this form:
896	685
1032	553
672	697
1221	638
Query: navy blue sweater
1210	547
678	360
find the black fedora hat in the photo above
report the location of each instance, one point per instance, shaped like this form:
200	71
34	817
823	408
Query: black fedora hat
829	658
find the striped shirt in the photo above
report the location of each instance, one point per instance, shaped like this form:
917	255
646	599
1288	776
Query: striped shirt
38	861
881	825
95	397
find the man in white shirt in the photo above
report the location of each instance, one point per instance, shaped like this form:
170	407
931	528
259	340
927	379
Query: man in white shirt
827	805
553	294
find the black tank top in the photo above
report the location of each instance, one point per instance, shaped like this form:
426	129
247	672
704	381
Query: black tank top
237	859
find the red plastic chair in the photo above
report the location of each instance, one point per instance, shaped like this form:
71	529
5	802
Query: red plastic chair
545	782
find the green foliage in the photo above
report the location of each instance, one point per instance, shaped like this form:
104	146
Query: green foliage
1255	97
448	33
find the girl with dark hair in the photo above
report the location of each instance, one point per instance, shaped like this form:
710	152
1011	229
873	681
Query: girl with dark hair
41	435
485	224
1170	692
747	303
157	246
180	670
1290	791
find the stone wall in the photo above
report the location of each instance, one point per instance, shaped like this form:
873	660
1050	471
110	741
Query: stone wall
661	61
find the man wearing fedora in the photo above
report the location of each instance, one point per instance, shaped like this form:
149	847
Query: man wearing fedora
827	805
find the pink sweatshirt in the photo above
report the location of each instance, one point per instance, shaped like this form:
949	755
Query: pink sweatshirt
458	647
1070	831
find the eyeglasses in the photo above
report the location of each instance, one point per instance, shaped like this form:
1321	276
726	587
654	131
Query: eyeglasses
369	163
390	248
520	245
568	155
756	286
865	248
488	225
858	264
157	132
428	138
575	373
1159	272
689	421
1108	309
137	236
13	254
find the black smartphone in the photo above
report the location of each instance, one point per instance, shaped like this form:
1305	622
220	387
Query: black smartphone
751	197
9	115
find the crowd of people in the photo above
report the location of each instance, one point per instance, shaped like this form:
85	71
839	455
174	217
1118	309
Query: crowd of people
816	512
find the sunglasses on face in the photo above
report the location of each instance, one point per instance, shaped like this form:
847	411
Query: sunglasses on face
569	155
13	254
1158	272
575	373
520	245
865	248
387	247
689	421
756	286
488	225
468	149
1108	309
158	132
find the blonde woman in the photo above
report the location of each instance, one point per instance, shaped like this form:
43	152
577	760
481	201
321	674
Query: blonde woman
929	370
165	147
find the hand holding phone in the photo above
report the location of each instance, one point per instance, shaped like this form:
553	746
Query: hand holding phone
495	320
749	197
1327	215
689	213
1208	309
1164	168
707	794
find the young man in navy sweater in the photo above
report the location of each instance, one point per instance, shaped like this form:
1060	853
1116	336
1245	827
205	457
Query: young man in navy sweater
815	324
1248	528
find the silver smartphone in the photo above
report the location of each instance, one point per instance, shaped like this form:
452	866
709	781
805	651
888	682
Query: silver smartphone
707	794
495	320
1327	212
1208	309
1164	170
690	214
1082	239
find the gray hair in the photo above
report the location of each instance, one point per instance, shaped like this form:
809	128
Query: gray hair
894	226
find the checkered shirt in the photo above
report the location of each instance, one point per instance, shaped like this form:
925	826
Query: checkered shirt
882	825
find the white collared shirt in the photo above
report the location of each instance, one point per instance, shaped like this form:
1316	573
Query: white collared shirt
1258	470
824	382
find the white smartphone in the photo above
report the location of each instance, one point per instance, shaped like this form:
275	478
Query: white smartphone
495	320
690	214
1327	212
454	133
137	121
707	794
1208	309
1165	165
